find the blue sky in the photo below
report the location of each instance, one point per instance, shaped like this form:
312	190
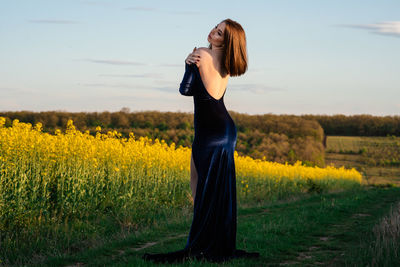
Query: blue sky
305	57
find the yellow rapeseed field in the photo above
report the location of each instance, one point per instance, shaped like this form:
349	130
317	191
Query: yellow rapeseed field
53	177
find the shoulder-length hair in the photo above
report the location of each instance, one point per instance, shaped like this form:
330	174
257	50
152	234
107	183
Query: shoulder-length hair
234	58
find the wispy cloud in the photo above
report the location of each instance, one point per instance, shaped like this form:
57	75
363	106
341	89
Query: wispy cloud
172	65
109	85
114	62
144	75
173	88
167	89
53	21
17	91
391	28
254	88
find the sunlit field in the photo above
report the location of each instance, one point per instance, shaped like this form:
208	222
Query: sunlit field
373	150
376	157
56	177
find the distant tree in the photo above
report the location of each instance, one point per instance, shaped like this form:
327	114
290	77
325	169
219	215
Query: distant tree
125	110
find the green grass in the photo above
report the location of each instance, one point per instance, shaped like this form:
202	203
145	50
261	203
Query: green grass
329	229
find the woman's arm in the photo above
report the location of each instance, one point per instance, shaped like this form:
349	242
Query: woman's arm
187	86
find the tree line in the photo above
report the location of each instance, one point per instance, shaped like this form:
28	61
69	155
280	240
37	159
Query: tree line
278	138
358	125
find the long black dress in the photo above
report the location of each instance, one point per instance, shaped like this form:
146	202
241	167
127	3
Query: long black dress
212	234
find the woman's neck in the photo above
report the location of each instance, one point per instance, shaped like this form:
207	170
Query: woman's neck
217	51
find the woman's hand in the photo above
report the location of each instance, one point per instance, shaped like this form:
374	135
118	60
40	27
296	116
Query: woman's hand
193	57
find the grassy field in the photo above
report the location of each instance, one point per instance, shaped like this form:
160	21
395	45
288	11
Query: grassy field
376	158
334	229
71	199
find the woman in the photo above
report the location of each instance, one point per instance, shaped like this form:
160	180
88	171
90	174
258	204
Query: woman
212	234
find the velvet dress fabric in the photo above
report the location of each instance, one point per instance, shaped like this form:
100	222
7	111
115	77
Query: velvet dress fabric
212	234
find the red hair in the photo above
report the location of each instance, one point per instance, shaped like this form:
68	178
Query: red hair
234	58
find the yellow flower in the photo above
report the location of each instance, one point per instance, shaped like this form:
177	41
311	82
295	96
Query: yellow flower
38	127
2	121
77	162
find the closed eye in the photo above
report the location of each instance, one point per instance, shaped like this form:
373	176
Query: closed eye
219	32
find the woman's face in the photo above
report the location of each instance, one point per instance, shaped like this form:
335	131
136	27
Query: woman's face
216	36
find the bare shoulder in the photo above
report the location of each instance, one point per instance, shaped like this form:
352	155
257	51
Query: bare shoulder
203	52
205	57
